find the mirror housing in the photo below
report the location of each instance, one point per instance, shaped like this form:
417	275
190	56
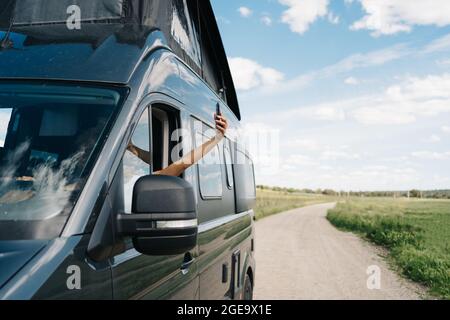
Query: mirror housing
164	219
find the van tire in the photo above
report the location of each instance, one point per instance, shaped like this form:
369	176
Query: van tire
248	289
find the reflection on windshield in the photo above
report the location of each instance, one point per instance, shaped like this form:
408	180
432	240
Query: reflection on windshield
40	196
5	116
48	135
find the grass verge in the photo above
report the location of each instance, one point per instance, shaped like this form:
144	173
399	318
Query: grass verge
416	232
271	202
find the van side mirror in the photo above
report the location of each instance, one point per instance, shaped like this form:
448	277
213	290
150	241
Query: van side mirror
164	219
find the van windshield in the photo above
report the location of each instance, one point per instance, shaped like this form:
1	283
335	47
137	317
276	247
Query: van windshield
49	137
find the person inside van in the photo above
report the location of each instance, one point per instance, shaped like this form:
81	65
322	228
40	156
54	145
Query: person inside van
177	168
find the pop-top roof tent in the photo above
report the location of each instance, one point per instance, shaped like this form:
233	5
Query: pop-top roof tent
189	27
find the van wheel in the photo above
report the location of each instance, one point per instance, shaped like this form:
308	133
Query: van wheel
248	289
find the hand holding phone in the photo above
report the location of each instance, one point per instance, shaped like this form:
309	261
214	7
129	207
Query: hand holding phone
221	122
218	112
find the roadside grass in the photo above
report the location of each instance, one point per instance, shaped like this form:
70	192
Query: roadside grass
416	232
269	202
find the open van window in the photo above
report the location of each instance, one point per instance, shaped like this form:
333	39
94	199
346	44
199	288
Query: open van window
50	136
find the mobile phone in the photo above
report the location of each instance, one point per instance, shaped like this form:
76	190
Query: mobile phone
218	112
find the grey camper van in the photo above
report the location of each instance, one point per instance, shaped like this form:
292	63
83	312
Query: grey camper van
84	220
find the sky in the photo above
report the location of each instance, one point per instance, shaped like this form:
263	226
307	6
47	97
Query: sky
358	91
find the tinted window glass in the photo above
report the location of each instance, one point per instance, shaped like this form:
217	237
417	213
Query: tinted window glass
38	11
50	136
228	164
250	178
248	171
209	170
184	32
133	166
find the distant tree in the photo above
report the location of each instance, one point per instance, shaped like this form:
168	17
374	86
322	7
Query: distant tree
414	193
329	192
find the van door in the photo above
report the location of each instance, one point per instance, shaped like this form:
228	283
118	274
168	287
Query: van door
218	228
137	276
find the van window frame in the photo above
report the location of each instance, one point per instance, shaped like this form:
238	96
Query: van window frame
140	114
229	170
198	164
249	164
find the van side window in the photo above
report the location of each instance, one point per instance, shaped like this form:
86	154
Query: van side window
249	175
228	163
209	168
184	31
211	70
133	167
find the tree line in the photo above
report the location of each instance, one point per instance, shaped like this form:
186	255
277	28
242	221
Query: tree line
414	193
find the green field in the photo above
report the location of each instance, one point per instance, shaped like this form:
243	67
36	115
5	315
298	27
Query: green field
270	202
416	232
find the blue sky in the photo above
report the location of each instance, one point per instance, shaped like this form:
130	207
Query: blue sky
359	90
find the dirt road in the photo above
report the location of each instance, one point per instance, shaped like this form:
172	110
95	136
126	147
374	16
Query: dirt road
300	255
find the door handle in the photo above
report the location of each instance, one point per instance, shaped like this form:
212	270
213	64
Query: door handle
187	263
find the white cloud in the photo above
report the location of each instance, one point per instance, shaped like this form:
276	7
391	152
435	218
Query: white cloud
358	177
245	12
400	104
320	152
302	13
431	155
300	160
438	45
374	58
328	114
248	74
333	111
334	155
303	144
350	63
434	138
351	81
444	62
434	87
333	19
2	143
386	17
266	20
404	103
223	20
382	115
446	129
322	112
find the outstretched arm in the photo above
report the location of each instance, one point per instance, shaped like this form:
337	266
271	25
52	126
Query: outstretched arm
141	154
177	168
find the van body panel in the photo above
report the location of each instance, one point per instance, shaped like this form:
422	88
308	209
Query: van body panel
153	74
140	277
48	274
218	240
15	254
